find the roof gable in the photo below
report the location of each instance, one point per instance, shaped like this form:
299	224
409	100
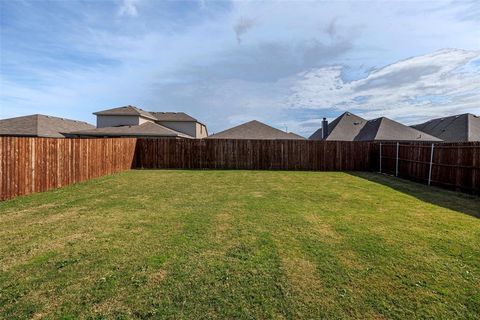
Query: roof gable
39	125
296	136
21	126
173	116
457	128
344	128
125	111
255	130
149	129
384	129
350	127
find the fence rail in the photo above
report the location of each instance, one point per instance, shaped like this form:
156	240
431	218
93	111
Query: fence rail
253	154
30	165
452	165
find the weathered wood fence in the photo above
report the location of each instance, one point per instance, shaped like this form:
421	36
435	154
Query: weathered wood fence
452	165
253	154
30	165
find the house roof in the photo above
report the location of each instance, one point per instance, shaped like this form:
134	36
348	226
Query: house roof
156	116
344	128
126	111
350	127
38	125
255	130
296	136
384	129
457	128
147	129
173	116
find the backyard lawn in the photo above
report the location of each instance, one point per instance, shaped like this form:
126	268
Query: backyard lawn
240	244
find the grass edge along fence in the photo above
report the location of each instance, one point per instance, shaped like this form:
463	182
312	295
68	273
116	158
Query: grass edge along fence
30	164
454	166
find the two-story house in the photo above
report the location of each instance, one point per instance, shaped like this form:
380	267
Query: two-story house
130	121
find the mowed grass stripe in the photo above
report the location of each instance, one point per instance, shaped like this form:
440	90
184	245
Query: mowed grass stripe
240	244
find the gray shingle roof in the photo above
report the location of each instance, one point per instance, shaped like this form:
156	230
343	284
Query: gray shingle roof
350	127
384	129
457	128
126	111
38	125
255	130
173	116
147	129
296	136
344	128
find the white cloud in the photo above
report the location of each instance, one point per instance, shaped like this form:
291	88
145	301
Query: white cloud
439	83
129	8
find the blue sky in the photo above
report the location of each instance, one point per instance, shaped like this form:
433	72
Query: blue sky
287	63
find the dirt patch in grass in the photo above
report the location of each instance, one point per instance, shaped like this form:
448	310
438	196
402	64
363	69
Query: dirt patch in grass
157	277
324	229
257	194
51	245
110	307
301	274
350	260
223	223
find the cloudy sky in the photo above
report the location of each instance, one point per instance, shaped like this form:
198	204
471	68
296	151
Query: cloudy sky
287	63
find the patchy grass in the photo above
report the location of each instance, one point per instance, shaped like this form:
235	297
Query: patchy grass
240	244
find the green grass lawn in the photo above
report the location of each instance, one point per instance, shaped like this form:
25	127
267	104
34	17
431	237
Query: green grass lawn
240	244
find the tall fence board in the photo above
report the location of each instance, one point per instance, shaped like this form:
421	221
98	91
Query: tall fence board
30	165
452	165
253	154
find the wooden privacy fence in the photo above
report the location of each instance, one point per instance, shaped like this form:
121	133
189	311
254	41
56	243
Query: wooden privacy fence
253	154
30	165
452	165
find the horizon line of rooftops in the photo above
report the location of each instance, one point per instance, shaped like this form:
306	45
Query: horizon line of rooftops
131	121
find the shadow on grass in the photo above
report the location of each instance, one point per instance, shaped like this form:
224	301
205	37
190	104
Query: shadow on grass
460	202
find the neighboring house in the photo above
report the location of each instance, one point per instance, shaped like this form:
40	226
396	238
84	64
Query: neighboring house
182	122
344	128
130	121
39	125
146	130
350	127
458	128
255	130
384	129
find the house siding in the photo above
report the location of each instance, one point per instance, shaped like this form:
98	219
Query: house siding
189	128
201	131
114	121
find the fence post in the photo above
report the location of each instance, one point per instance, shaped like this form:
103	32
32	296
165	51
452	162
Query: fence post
396	163
380	157
431	164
